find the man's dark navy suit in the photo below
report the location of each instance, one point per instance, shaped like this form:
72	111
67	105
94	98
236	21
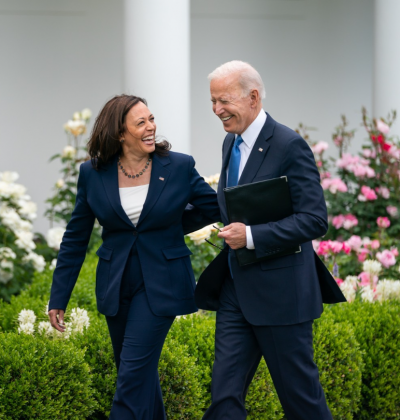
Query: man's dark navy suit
267	309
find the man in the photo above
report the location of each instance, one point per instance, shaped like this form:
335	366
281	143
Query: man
266	308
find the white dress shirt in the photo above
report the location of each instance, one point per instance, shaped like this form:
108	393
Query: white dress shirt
249	138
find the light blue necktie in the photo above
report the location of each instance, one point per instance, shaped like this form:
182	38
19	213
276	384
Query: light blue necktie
233	176
233	172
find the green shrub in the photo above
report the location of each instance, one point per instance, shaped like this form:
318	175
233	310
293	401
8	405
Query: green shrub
43	379
377	329
262	402
182	392
339	360
36	295
100	357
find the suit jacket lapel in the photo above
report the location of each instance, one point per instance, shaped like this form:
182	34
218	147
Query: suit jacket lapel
158	179
109	176
258	152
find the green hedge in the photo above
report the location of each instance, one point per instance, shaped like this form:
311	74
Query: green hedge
357	350
377	329
43	379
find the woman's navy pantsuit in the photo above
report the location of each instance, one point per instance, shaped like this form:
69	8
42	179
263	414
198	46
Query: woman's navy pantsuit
144	276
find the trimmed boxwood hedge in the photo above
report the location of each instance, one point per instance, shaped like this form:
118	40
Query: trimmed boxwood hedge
43	379
357	350
377	330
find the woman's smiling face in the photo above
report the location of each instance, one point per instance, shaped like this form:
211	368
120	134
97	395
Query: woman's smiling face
140	130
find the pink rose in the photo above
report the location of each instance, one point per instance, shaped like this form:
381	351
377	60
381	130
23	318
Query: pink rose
369	153
338	221
383	222
362	254
392	211
320	147
355	242
375	244
382	127
383	191
368	193
315	245
386	258
365	279
338	281
335	246
346	248
323	248
394	251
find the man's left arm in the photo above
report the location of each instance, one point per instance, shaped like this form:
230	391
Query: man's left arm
309	218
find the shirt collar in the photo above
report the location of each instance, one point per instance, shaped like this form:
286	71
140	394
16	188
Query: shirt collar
253	130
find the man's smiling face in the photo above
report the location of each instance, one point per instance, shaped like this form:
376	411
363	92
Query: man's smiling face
234	110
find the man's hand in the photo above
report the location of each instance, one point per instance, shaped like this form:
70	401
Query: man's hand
57	319
234	235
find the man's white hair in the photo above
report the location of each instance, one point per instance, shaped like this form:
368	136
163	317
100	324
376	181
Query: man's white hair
249	78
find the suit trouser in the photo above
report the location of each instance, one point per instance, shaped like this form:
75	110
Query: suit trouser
288	352
137	337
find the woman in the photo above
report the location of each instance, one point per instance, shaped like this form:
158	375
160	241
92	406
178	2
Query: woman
138	192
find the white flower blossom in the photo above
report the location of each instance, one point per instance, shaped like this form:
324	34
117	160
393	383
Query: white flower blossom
367	294
10	217
6	271
27	316
38	261
8	253
60	183
201	235
79	320
76	116
86	114
28	209
372	267
25	240
75	127
54	237
348	290
212	180
388	289
53	264
9	176
69	152
45	327
26	328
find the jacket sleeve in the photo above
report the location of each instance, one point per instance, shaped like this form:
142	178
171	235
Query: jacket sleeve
309	219
203	206
73	248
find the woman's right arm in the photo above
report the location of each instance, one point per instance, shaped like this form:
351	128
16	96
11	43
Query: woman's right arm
72	253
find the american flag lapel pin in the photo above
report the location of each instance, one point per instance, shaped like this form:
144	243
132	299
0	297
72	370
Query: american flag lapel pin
161	178
260	150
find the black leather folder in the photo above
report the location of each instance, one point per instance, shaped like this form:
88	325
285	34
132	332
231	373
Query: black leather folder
258	203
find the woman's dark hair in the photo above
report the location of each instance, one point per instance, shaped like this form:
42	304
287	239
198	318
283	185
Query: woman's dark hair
110	125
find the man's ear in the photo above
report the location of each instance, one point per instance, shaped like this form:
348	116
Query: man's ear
254	98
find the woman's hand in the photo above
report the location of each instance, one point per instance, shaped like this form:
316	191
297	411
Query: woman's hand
57	319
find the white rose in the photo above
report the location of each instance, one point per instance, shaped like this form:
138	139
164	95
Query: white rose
38	261
54	237
8	253
75	127
86	114
25	240
60	183
201	235
76	116
69	152
28	209
6	271
8	176
53	264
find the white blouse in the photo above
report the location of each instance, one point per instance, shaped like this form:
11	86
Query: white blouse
132	200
